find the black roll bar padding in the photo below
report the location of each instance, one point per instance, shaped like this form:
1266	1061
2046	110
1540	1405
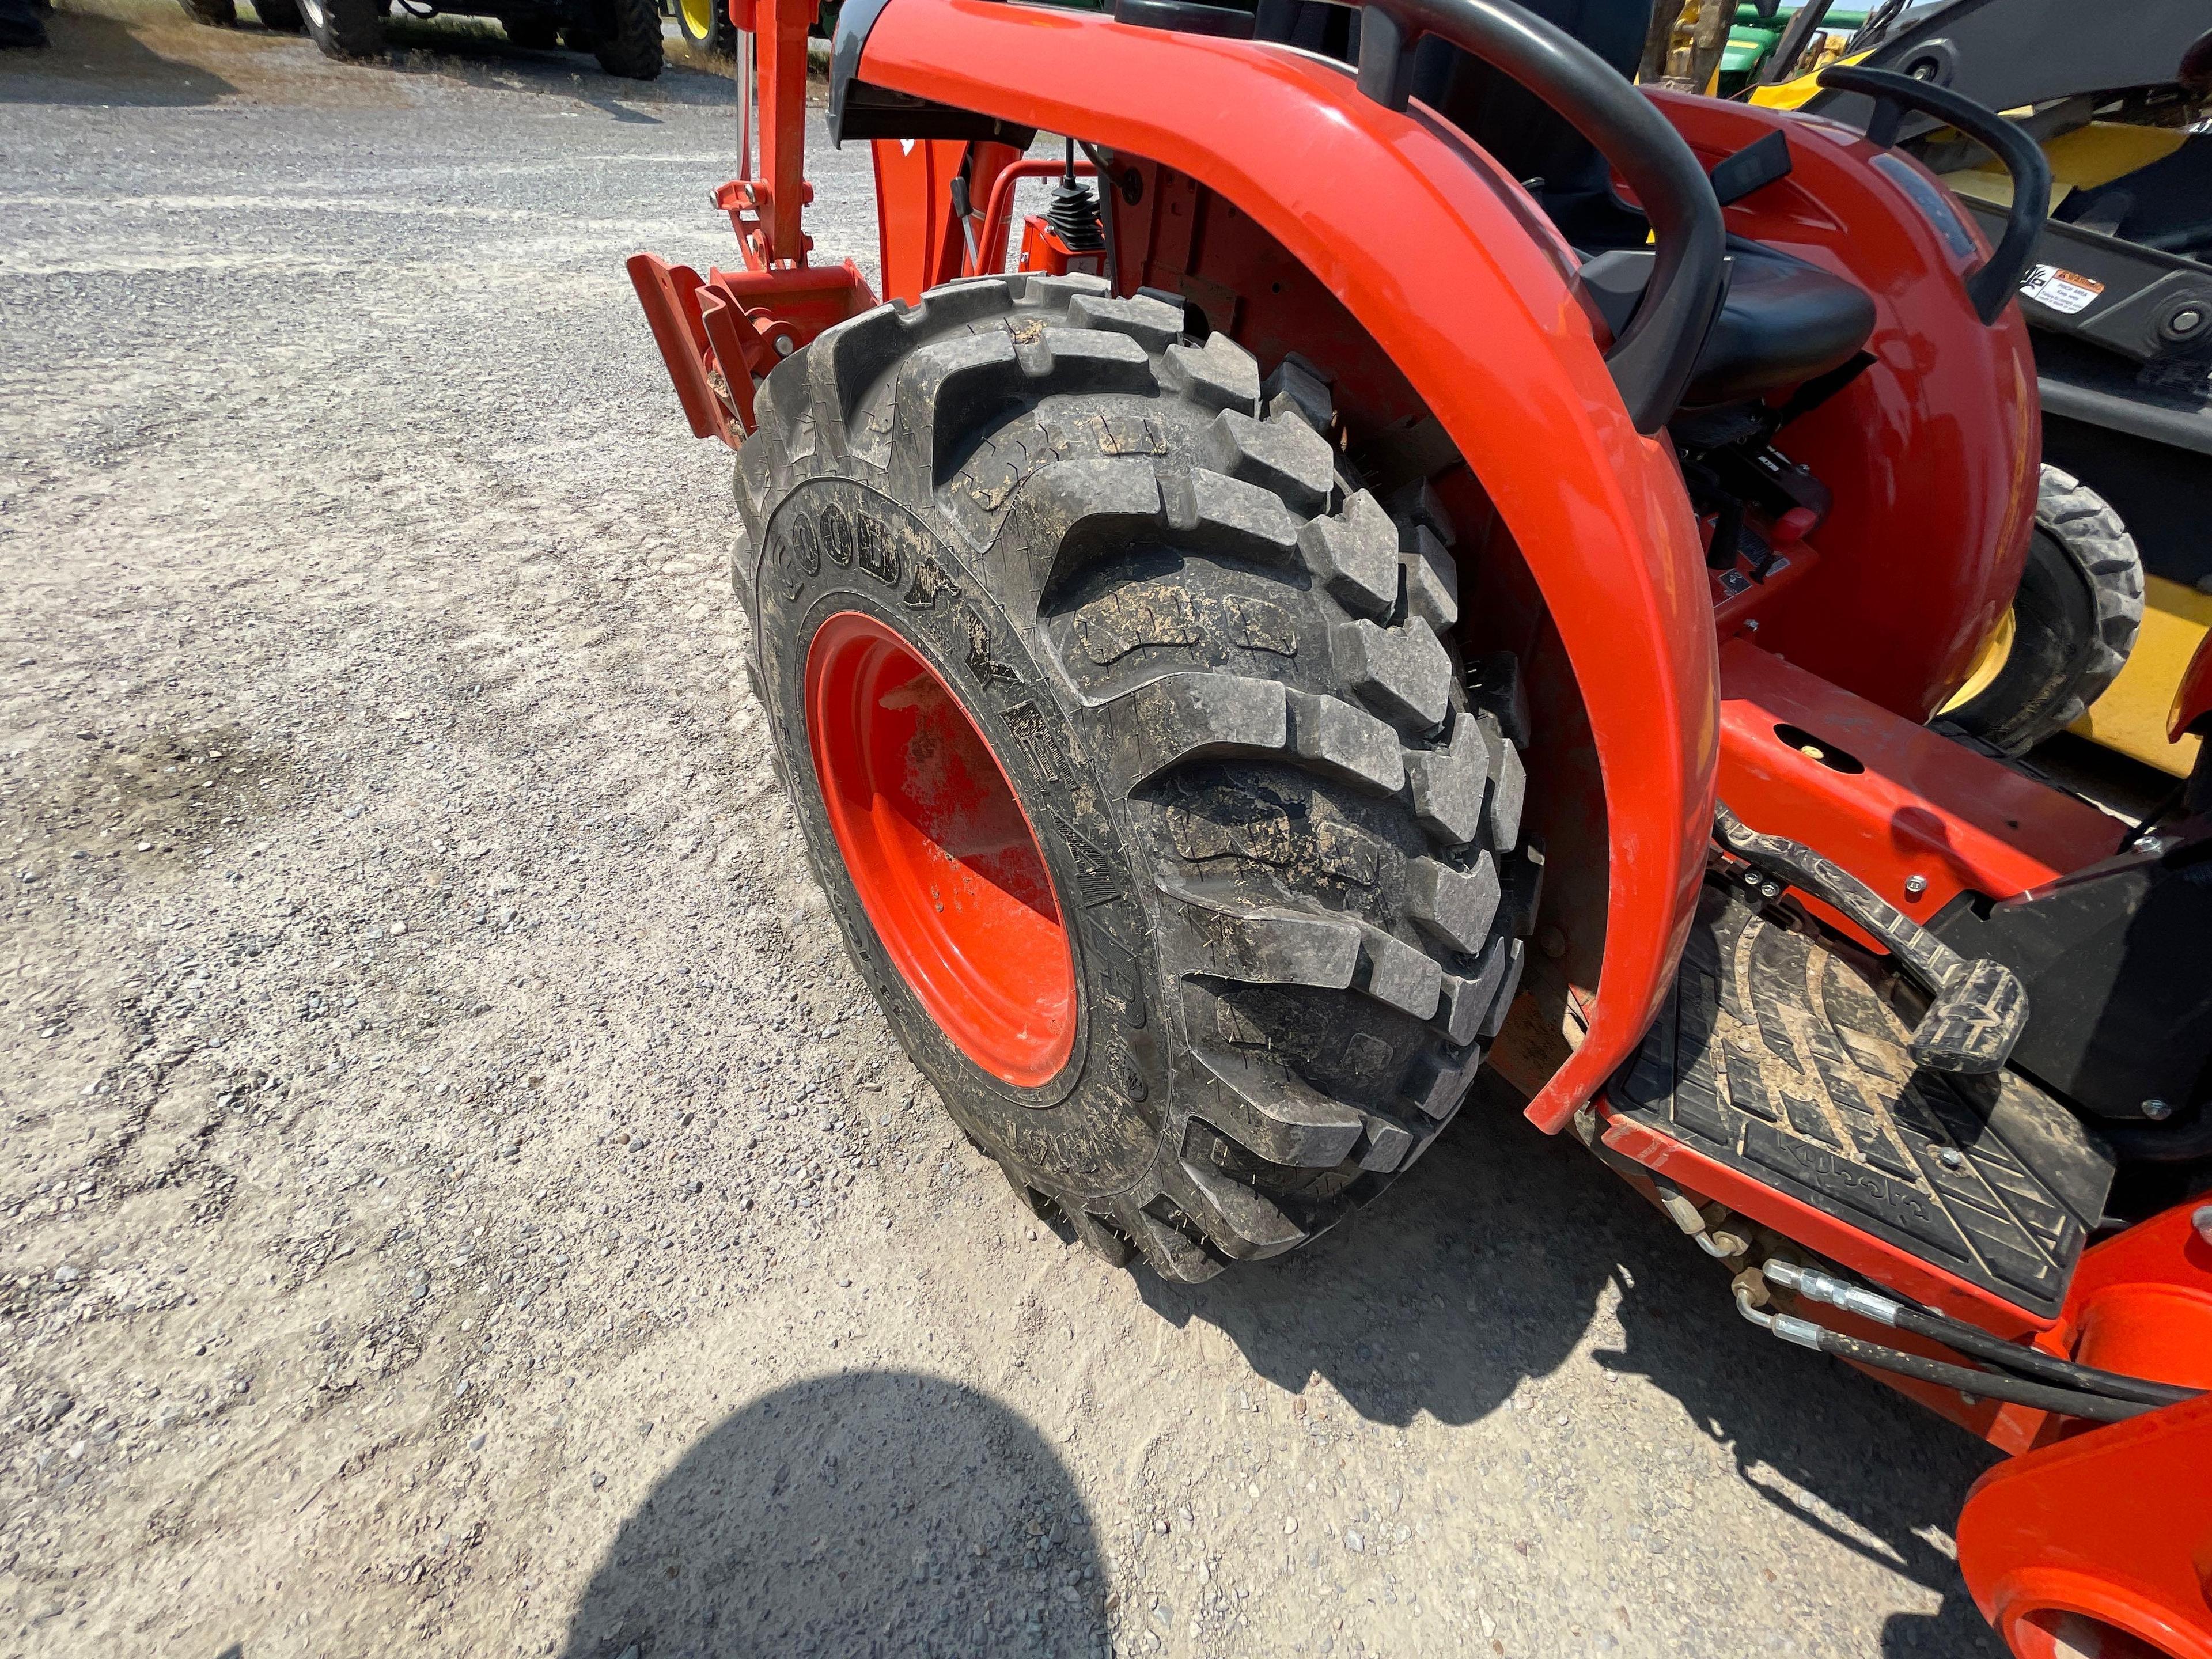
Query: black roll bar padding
1996	279
1653	358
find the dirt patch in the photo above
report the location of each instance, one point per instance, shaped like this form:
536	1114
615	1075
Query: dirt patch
457	1199
149	793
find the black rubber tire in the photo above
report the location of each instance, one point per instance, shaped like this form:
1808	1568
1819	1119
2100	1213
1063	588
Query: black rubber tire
2075	619
215	14
631	45
531	34
346	28
720	38
1212	667
280	16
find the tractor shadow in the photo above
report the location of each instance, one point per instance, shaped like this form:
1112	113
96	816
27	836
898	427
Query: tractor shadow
873	1513
1487	1265
95	61
474	52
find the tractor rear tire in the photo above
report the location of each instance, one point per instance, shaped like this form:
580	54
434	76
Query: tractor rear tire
280	16
1278	840
631	46
346	28
706	24
2073	621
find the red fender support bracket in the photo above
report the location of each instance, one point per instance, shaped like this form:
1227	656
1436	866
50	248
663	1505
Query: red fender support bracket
717	332
1468	294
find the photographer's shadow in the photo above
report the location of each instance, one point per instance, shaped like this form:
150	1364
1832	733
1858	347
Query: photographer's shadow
875	1513
1485	1268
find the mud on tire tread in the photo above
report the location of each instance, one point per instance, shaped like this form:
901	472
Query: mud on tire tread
1286	895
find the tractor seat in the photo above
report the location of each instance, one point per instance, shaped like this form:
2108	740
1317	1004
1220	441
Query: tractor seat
1784	320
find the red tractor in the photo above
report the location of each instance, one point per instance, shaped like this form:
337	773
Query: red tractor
1440	555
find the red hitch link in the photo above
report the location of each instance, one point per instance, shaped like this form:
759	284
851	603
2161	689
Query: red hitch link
720	333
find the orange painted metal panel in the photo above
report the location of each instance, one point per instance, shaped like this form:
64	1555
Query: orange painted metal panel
1469	293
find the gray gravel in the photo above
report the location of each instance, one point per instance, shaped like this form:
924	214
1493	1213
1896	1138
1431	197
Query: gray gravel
456	1194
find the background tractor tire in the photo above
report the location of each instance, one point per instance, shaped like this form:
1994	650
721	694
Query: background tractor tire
217	14
531	34
705	24
1210	668
280	16
630	46
346	28
2073	621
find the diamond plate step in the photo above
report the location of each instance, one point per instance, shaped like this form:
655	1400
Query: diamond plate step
1776	1055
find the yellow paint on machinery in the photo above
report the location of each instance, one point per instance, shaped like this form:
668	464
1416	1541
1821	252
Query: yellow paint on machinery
2132	715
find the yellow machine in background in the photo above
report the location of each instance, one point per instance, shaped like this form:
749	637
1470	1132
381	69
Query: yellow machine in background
2118	591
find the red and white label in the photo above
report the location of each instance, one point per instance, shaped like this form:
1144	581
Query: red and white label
2063	291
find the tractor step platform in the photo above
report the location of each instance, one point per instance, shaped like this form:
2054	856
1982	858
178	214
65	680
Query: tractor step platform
1779	1056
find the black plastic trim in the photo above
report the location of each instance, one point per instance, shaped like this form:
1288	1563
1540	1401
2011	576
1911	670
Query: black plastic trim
1185	17
854	19
874	112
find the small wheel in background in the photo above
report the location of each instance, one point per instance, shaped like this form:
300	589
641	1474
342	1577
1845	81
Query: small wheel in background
280	16
630	48
706	23
217	14
2073	620
532	33
346	28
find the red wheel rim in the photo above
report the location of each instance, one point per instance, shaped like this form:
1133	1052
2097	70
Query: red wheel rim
940	851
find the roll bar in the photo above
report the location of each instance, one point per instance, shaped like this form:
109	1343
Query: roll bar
1996	279
1652	358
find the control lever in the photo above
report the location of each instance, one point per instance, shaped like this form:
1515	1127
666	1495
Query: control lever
1979	1008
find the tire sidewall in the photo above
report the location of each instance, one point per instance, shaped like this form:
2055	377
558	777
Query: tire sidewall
2054	621
346	29
834	545
631	47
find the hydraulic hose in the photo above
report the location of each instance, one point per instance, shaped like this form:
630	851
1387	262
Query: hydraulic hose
1985	1385
1981	1385
2031	1361
2064	1374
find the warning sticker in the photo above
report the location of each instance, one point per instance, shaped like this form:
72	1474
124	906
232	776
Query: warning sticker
2063	291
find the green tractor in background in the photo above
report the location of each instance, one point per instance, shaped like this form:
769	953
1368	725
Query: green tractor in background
1799	40
705	24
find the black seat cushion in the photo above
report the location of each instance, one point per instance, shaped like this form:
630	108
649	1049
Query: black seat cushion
1784	320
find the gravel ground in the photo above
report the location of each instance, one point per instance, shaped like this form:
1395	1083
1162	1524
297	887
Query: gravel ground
459	1197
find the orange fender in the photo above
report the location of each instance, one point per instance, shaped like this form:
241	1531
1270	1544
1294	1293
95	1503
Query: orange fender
1457	275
